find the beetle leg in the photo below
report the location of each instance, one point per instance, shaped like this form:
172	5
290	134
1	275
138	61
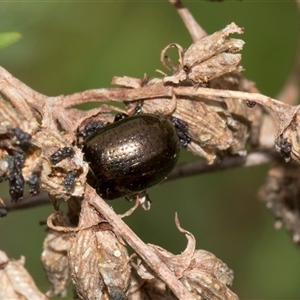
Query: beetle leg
131	210
142	199
119	117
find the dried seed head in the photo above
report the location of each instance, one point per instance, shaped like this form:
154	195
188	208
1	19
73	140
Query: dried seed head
281	196
208	277
53	177
83	262
19	156
113	262
208	58
208	131
148	289
214	67
55	262
99	264
288	141
204	275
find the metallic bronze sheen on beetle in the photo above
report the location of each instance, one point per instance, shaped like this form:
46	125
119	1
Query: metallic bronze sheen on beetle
131	155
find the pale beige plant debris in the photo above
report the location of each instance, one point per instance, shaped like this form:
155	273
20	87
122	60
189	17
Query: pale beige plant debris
143	289
11	119
280	194
83	262
53	175
113	262
204	275
55	262
99	264
15	281
208	58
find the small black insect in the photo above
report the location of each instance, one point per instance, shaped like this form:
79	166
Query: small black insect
15	161
61	154
69	180
89	128
285	148
132	154
33	183
250	104
23	138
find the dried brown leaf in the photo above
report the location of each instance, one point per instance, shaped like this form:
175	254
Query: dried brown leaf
213	44
89	217
177	263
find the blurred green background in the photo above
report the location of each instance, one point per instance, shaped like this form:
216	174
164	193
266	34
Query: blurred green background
73	46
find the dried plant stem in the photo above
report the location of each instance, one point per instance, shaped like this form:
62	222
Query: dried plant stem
281	110
161	91
191	24
18	91
200	167
290	91
20	94
118	94
28	202
139	247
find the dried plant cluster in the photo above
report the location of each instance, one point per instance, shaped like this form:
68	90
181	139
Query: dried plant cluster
38	147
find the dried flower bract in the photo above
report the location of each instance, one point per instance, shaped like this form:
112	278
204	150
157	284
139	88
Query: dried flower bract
208	58
204	275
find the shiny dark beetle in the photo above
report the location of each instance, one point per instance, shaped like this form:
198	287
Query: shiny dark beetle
131	155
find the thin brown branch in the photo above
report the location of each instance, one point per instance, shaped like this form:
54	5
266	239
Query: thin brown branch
290	91
20	94
160	91
141	248
191	24
281	110
28	202
201	167
118	94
